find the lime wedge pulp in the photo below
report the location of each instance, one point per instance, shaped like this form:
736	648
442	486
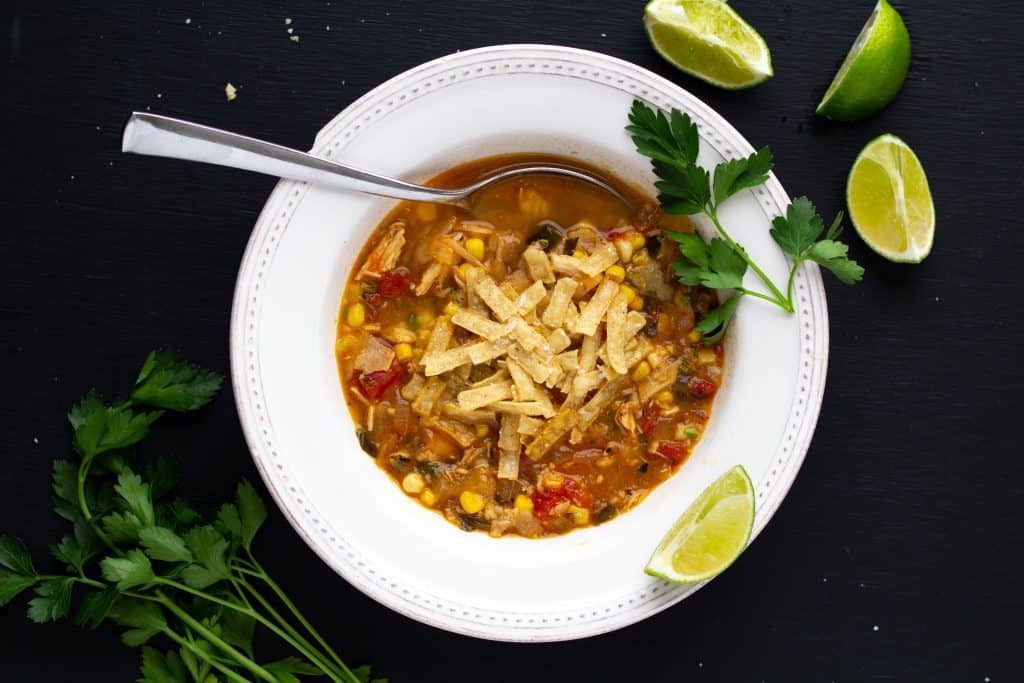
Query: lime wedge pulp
710	535
709	40
890	204
874	69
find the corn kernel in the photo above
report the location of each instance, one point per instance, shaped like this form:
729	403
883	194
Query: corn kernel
524	503
425	318
451	308
706	356
615	273
666	397
413	483
624	248
641	258
627	292
464	270
637	304
403	351
642	371
475	246
694	337
482	430
344	343
636	240
426	212
356	315
428	498
471	502
552	481
579	515
579	253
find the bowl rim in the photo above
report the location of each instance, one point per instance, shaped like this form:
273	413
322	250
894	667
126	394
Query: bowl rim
288	192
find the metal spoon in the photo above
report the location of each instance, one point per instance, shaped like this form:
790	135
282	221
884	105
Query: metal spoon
164	136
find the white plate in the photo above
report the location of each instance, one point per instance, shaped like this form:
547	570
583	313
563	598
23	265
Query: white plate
522	98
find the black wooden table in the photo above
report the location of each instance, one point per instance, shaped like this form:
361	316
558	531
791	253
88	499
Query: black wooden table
893	557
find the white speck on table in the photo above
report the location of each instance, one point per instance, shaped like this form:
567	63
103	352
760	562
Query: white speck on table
287	21
189	20
874	628
290	30
159	95
35	439
604	35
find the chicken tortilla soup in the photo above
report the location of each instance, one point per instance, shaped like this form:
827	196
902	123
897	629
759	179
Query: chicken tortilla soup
528	365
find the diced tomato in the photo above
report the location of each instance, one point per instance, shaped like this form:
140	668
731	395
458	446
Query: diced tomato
700	388
374	384
648	420
673	451
544	502
394	283
616	234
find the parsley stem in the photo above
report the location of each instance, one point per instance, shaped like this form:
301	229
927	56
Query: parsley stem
789	284
779	300
308	650
83	475
214	639
203	655
283	597
759	295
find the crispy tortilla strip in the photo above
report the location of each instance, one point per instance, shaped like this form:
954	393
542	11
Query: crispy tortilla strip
528	426
538	265
399	333
532	363
560	301
376	355
508	447
440	336
615	345
482	352
551	433
569	360
495	299
662	378
598	402
479	325
530	297
428	396
558	341
458	431
519	281
593	311
585	382
567	265
526	390
587	286
508	462
588	354
473	276
634	323
456	412
509	290
413	387
604	256
524	408
444	361
637	353
554	377
527	337
471	399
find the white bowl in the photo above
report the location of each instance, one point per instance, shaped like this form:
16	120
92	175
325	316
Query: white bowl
520	98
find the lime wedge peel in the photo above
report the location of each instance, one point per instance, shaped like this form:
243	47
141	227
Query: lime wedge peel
890	203
709	40
710	534
874	69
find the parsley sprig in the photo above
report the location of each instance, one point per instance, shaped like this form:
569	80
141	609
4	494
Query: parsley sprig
150	563
686	188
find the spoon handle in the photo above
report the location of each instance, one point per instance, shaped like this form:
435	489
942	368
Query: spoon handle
162	136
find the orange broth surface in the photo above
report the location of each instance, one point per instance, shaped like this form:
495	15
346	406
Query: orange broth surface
574	430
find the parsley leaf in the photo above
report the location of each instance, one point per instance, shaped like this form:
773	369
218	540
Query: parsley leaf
683	188
168	382
122	527
95	607
135	495
659	138
715	322
210	551
100	428
228	520
738	174
11	585
252	511
14	556
798	229
160	543
832	255
72	552
162	475
162	668
143	619
129	571
237	629
52	601
715	264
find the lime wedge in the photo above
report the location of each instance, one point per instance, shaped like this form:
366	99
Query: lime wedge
890	203
710	535
874	69
708	39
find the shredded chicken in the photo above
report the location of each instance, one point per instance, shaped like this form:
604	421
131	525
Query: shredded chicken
384	255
